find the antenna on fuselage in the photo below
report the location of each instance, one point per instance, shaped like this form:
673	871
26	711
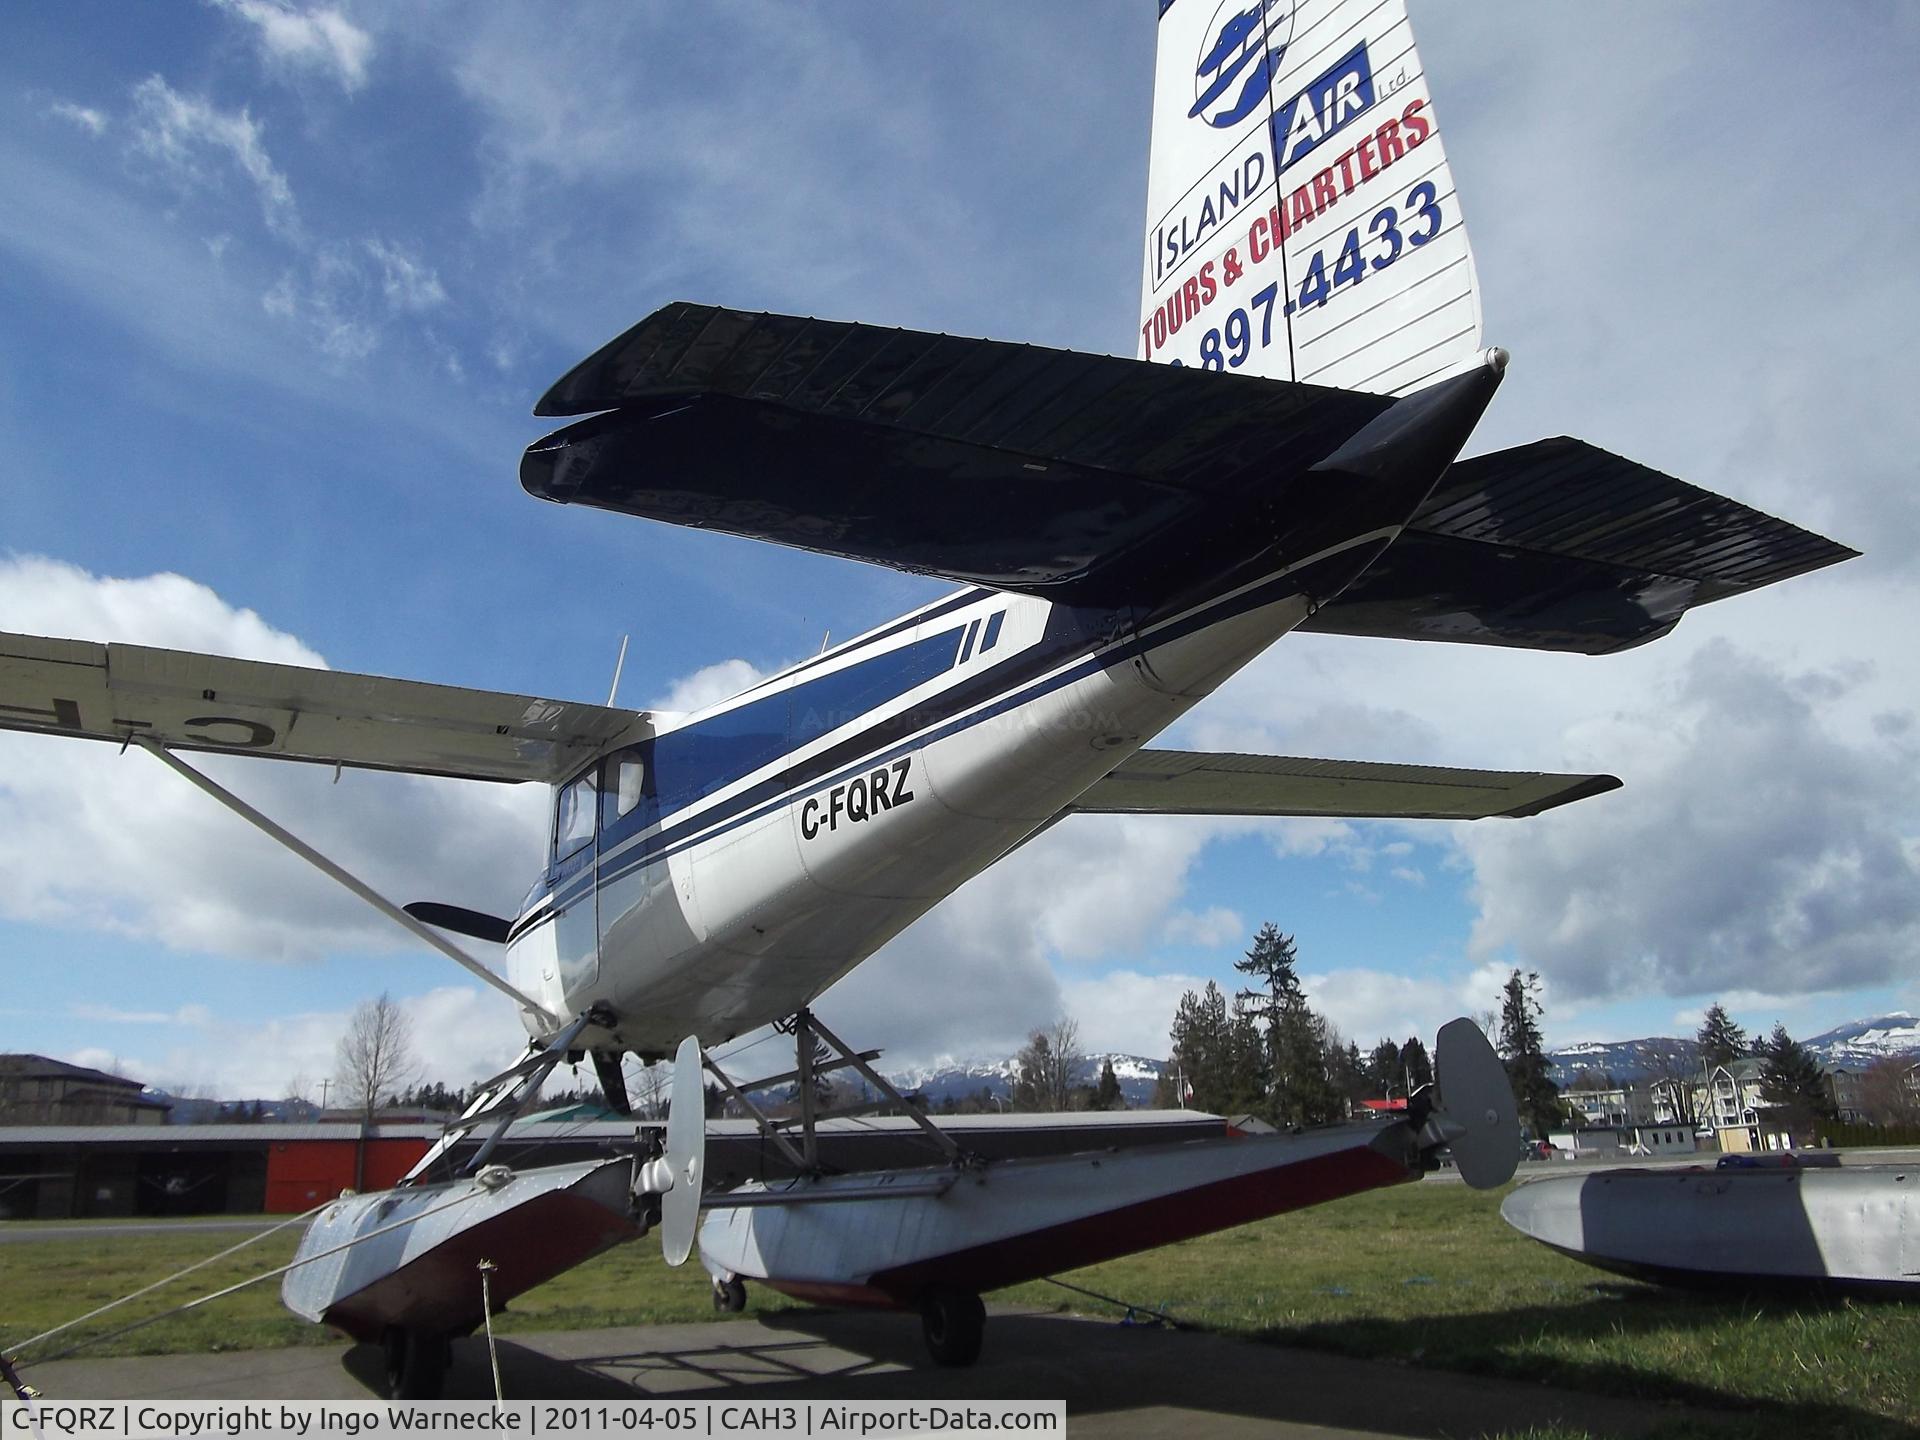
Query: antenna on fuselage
826	639
618	665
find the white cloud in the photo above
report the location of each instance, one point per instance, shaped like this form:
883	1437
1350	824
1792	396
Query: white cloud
233	310
1367	1004
95	839
93	121
985	967
325	301
321	39
188	138
186	1017
1127	1010
1760	849
407	283
1210	928
708	685
460	1034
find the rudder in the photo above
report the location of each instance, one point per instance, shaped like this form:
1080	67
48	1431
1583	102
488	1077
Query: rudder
1302	220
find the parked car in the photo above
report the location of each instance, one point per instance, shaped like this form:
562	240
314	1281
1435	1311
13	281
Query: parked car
1777	1160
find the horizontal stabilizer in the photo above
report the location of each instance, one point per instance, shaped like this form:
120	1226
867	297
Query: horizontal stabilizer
189	701
1081	477
1559	545
1185	782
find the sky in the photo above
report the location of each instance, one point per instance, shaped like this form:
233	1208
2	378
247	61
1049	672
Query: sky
281	282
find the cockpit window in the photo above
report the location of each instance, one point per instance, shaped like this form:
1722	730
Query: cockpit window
573	816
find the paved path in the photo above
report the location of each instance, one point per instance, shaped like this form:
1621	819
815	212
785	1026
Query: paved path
1116	1380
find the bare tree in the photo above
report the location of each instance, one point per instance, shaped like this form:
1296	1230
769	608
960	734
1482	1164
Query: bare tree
655	1083
1043	1076
1065	1036
1673	1067
376	1055
1889	1092
297	1103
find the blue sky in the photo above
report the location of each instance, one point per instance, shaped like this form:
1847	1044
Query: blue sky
281	283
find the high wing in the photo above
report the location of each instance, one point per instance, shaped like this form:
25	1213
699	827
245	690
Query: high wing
1559	545
1184	782
1102	481
189	701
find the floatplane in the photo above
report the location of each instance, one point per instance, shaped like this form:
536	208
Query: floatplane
1281	455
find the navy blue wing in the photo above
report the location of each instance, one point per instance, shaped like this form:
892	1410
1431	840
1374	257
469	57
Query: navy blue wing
1086	477
1103	481
1560	545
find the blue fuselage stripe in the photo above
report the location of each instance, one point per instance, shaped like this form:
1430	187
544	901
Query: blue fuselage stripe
674	834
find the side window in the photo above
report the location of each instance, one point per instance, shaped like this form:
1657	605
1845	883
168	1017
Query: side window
626	780
573	816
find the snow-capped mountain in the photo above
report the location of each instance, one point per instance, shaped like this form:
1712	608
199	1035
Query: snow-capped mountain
1861	1042
1624	1060
957	1080
1858	1042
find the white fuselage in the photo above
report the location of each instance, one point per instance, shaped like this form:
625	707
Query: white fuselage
713	913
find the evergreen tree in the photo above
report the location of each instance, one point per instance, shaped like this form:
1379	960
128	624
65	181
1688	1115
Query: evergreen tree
1348	1070
1299	1088
1247	1079
1271	961
1303	1094
1201	1047
1525	1054
1106	1095
1791	1081
1383	1072
1415	1068
1721	1041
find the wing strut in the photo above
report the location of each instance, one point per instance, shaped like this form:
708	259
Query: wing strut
359	887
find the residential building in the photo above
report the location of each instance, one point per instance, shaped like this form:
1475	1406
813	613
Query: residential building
1613	1142
1846	1091
36	1090
1616	1107
1734	1108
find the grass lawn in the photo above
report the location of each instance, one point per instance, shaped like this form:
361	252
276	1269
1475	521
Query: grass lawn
1422	1274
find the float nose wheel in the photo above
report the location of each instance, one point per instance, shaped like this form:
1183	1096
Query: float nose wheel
953	1322
730	1295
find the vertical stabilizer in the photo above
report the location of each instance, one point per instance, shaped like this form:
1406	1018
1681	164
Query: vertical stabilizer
1301	217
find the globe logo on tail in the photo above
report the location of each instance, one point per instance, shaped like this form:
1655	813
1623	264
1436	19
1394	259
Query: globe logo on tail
1242	48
